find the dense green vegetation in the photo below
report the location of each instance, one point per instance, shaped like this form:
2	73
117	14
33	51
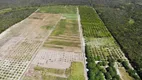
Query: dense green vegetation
97	71
5	10
77	71
9	17
124	21
15	3
131	71
96	64
102	49
92	25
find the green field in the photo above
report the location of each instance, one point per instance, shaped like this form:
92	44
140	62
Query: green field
66	26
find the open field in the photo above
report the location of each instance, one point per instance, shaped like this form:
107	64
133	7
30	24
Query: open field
60	57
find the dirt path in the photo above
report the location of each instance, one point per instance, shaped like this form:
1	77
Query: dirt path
83	44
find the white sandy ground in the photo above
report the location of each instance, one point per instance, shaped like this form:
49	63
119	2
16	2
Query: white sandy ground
56	59
20	43
82	45
50	21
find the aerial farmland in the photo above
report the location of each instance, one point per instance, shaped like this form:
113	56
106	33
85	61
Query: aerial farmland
60	42
45	45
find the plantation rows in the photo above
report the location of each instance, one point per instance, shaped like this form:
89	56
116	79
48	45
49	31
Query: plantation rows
92	24
105	53
25	48
11	69
16	62
88	15
98	70
98	38
93	30
101	49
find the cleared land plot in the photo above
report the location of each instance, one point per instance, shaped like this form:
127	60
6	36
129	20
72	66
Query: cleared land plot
60	57
52	58
74	72
21	43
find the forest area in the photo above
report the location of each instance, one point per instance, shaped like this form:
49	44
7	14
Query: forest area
20	3
123	19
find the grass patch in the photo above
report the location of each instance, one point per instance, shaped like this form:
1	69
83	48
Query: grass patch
47	27
60	29
49	77
131	21
77	71
105	41
68	27
5	10
124	74
50	46
70	16
50	70
63	43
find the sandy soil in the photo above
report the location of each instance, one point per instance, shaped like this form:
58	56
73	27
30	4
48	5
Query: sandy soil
56	59
19	43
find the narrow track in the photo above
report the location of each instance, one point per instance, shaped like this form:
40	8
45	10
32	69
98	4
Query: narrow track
82	44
